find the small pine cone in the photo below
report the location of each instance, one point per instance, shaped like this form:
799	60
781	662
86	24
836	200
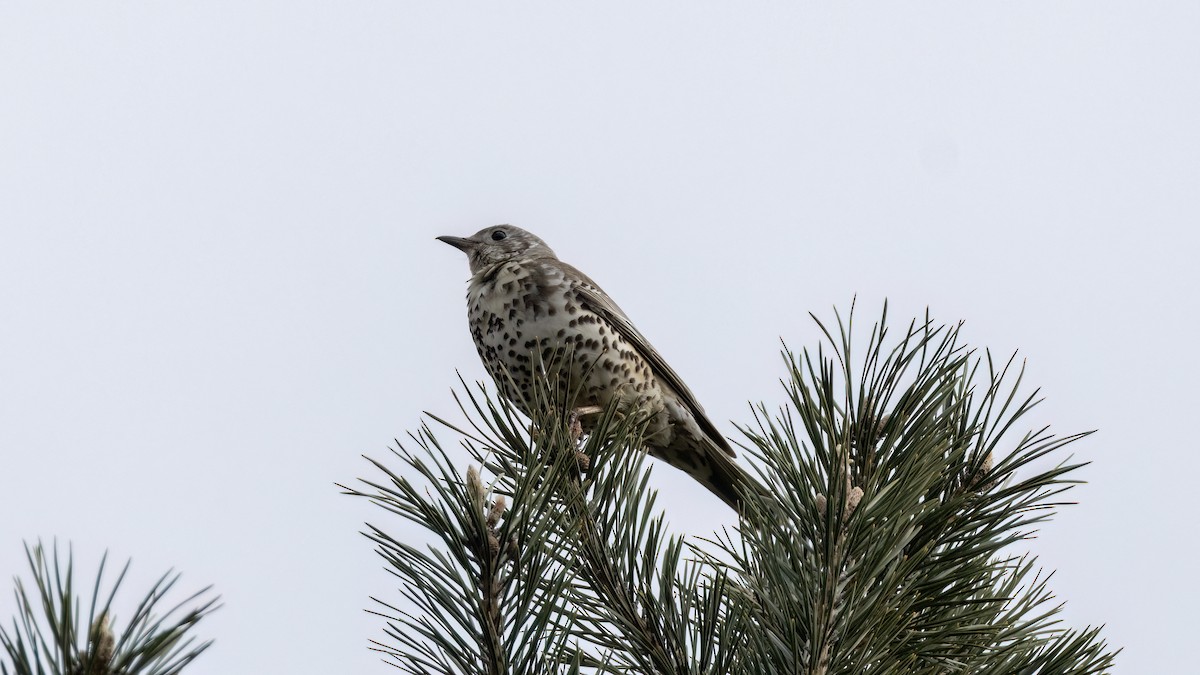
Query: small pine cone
852	500
583	461
475	486
981	481
496	512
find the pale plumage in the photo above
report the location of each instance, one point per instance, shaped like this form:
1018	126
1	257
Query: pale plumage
526	305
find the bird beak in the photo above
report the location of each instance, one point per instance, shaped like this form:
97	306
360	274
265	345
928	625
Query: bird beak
460	243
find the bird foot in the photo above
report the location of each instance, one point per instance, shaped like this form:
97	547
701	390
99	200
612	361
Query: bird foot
573	423
575	428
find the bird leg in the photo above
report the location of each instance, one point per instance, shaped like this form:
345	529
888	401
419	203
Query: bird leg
573	423
575	428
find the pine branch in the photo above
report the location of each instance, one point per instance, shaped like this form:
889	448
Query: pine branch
47	637
885	550
482	591
630	602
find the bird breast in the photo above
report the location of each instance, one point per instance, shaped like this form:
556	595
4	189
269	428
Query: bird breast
526	312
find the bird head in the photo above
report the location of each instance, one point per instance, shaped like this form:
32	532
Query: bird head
499	244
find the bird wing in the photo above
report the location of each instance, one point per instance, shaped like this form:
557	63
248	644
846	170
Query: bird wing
595	299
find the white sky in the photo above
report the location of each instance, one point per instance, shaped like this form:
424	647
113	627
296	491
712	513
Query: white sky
219	284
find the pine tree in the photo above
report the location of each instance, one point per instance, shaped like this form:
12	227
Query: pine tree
893	493
52	636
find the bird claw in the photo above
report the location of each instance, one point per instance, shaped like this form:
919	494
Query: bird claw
575	428
574	425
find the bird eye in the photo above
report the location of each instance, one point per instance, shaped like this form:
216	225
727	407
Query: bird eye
497	235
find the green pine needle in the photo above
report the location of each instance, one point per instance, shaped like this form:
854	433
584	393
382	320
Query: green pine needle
52	636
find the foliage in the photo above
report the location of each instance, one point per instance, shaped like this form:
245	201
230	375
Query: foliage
892	491
52	636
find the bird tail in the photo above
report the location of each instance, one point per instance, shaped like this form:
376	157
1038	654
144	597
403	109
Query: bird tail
723	477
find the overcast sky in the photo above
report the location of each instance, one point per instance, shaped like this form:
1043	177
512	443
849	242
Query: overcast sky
219	284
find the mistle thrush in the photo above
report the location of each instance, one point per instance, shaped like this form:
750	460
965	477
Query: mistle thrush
525	307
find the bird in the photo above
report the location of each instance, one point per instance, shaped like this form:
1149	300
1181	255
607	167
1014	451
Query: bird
525	307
